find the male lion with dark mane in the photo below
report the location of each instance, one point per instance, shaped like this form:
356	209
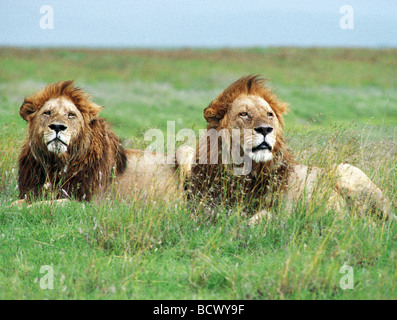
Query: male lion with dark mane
71	153
257	114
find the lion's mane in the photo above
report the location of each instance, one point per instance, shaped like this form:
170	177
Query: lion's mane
216	181
92	161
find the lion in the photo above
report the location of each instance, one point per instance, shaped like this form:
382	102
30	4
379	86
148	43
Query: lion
71	153
252	109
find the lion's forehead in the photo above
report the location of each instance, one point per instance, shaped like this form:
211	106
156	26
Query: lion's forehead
252	102
61	105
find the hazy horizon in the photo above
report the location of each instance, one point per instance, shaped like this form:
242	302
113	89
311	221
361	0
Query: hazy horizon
206	24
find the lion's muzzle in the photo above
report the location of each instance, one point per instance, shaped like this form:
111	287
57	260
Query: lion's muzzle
57	139
264	145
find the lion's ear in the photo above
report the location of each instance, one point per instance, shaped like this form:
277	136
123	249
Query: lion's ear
213	115
27	110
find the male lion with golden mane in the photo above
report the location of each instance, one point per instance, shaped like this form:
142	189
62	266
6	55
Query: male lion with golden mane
257	114
71	153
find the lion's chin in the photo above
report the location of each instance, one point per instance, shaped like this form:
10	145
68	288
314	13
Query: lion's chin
57	147
260	155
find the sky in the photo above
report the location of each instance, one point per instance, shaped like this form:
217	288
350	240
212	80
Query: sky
197	23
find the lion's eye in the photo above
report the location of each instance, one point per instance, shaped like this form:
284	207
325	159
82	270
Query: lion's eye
71	115
47	113
243	114
270	114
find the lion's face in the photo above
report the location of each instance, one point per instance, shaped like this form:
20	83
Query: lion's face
57	124
59	118
258	126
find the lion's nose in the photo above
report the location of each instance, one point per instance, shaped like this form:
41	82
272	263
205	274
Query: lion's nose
263	129
57	127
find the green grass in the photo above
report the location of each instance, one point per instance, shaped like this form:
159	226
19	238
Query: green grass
343	109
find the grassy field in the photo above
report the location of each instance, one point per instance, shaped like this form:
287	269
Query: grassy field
343	109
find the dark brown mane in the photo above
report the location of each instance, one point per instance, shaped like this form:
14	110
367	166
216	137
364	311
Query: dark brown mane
91	163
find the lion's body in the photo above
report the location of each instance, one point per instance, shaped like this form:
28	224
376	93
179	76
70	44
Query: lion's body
248	106
148	176
71	153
